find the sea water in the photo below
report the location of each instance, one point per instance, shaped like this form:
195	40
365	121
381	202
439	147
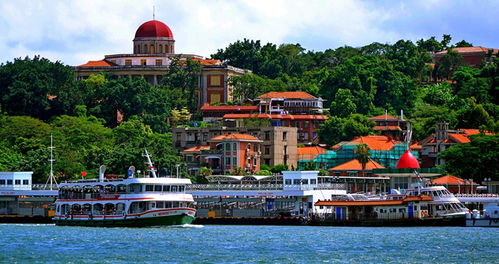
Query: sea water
247	244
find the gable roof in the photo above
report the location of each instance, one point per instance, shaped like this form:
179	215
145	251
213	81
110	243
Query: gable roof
356	165
449	179
97	63
288	95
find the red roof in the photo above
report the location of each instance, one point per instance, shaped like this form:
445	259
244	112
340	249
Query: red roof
377	142
98	63
154	29
389	128
449	179
407	161
196	149
311	151
355	165
207	107
384	117
282	117
459	138
206	62
470	50
416	146
288	95
235	137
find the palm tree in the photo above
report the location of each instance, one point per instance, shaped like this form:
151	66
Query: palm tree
363	153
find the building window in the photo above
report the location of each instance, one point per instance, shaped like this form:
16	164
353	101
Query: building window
267	150
267	162
160	48
234	147
267	135
151	49
234	162
306	124
128	62
284	136
189	158
249	147
215	80
255	148
254	162
227	161
143	62
227	147
159	62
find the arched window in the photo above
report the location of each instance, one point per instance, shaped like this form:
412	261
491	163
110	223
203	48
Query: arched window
160	48
138	48
145	48
151	49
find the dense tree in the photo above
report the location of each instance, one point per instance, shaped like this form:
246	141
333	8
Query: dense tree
343	104
477	159
37	87
338	129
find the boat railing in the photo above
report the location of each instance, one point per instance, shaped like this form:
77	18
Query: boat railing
477	195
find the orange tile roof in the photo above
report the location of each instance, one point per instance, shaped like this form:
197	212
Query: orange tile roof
389	128
312	151
282	117
235	137
449	179
470	50
355	165
377	142
288	95
205	62
196	149
459	138
471	131
384	117
98	63
208	107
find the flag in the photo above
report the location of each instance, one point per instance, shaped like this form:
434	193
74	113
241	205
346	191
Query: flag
83	174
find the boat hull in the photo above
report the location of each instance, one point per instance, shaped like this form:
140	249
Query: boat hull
483	222
129	222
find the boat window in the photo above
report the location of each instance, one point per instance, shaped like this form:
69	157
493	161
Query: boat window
296	181
97	209
121	188
157	188
288	181
174	188
166	188
181	188
151	205
149	188
174	204
160	204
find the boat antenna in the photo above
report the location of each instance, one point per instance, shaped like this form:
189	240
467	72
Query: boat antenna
150	165
51	179
153	13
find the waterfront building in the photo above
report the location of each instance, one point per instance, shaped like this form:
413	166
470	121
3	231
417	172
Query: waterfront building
278	146
213	113
473	56
391	126
19	197
442	139
456	185
384	150
153	51
281	103
292	194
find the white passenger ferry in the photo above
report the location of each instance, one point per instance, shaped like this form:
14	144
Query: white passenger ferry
444	203
131	202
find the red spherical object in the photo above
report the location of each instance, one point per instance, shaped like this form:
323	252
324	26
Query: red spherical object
154	29
408	161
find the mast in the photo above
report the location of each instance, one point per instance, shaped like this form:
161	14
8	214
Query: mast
51	179
150	165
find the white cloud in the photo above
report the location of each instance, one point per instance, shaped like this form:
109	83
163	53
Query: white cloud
81	30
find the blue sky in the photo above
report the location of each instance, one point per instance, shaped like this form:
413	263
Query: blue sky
80	30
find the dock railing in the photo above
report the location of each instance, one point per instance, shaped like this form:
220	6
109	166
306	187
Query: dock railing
304	187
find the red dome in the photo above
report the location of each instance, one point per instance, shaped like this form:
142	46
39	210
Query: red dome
408	161
153	29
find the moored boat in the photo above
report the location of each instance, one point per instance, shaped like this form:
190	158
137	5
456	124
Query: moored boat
489	217
128	202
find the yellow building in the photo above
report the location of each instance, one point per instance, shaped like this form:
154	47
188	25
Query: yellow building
153	49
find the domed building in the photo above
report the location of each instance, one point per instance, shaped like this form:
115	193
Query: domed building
153	50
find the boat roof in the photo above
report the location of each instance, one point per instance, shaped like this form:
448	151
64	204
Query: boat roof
375	202
95	182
